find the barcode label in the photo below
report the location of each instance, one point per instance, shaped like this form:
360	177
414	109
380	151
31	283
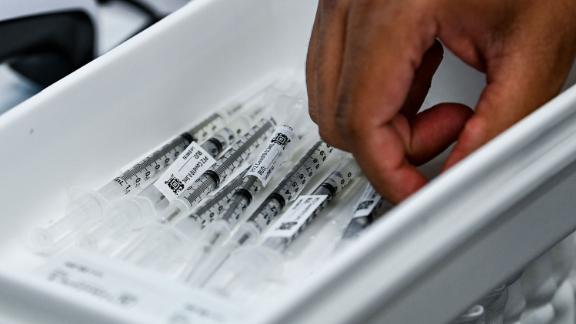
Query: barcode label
367	202
296	216
189	166
265	164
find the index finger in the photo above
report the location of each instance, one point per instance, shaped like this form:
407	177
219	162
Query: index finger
386	44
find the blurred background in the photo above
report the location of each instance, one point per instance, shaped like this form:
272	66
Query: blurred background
42	41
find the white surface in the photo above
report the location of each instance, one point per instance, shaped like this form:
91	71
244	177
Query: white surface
80	130
116	22
543	294
13	89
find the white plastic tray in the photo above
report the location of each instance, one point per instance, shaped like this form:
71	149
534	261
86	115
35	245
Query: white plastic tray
424	263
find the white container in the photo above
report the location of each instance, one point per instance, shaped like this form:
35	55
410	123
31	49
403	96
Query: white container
428	260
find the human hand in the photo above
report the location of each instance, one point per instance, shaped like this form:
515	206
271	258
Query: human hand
371	62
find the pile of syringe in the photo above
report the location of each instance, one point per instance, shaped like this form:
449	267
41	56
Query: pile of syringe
221	206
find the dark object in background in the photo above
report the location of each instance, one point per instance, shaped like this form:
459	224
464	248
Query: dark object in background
44	48
153	16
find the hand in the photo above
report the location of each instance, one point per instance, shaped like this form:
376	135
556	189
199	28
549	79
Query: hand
371	62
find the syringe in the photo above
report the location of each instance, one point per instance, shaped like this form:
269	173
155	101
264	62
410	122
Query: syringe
286	191
250	264
368	208
134	208
253	183
193	158
291	186
82	209
159	244
254	180
219	172
264	165
88	207
216	205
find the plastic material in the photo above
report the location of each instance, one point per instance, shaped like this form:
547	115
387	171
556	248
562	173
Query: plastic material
482	220
246	268
85	210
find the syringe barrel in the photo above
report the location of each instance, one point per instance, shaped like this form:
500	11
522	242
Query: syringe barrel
272	152
302	172
292	185
368	208
267	211
153	194
260	172
336	181
227	163
220	141
118	222
198	190
202	130
242	149
188	227
133	211
356	226
213	208
250	186
173	212
345	172
81	213
241	199
157	193
234	129
145	171
237	206
214	146
246	233
215	233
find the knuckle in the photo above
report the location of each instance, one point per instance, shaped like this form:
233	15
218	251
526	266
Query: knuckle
330	138
351	125
355	127
476	128
313	112
326	136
